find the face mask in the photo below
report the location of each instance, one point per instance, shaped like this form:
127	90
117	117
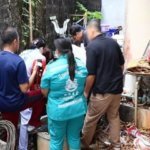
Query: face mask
56	55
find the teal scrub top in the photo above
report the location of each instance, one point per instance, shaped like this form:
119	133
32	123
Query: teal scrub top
65	97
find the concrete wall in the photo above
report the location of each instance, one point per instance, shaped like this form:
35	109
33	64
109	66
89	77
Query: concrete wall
61	9
8	11
137	27
113	12
4	13
11	10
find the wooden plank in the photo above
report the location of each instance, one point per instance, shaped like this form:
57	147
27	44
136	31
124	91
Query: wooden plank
77	15
143	118
30	21
127	115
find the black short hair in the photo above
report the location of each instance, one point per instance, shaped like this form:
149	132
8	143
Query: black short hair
75	29
8	35
95	23
38	43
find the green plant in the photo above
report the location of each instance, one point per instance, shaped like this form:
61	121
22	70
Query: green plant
24	25
90	14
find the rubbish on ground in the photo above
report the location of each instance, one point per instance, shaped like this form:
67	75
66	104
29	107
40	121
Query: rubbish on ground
131	138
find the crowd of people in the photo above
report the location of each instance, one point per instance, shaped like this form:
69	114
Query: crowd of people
81	83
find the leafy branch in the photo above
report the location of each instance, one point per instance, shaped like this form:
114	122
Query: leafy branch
25	19
90	14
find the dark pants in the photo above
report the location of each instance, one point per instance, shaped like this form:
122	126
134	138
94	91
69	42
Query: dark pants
35	101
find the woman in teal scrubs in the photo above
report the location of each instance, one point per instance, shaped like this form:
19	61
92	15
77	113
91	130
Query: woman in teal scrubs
63	82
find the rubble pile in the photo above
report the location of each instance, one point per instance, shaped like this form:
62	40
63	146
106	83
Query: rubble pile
129	137
139	66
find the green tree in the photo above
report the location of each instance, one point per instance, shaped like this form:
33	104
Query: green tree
90	14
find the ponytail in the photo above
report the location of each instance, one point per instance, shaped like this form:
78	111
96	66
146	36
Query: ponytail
65	47
71	65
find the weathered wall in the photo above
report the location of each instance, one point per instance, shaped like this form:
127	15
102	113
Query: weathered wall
7	9
10	13
137	28
113	12
61	9
5	16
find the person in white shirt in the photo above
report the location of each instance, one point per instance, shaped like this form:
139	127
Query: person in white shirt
79	52
32	57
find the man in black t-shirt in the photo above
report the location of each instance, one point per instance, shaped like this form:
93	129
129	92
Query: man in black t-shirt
105	66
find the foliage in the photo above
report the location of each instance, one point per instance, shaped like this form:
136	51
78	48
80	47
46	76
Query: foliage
90	14
25	19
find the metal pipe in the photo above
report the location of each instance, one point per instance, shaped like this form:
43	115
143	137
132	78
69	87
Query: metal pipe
136	99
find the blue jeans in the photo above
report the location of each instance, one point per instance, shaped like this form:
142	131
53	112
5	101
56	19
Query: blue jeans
68	130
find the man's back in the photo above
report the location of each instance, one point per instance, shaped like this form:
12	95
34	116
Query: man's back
105	66
12	73
104	59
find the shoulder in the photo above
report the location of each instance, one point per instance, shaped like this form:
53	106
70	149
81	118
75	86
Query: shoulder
17	58
112	44
38	55
11	58
53	64
100	42
43	57
54	67
110	40
17	61
26	52
92	47
95	43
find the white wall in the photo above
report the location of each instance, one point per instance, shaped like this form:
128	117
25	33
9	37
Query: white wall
137	27
134	16
113	12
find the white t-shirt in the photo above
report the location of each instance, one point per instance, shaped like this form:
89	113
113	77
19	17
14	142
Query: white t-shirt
79	52
29	56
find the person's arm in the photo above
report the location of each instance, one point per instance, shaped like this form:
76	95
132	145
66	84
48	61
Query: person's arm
122	67
121	57
45	83
24	87
91	67
22	77
32	77
89	84
45	92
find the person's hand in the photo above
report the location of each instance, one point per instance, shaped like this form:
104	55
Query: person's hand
86	95
35	68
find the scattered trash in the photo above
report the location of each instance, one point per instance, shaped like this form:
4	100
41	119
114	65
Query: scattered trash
141	138
131	138
139	145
